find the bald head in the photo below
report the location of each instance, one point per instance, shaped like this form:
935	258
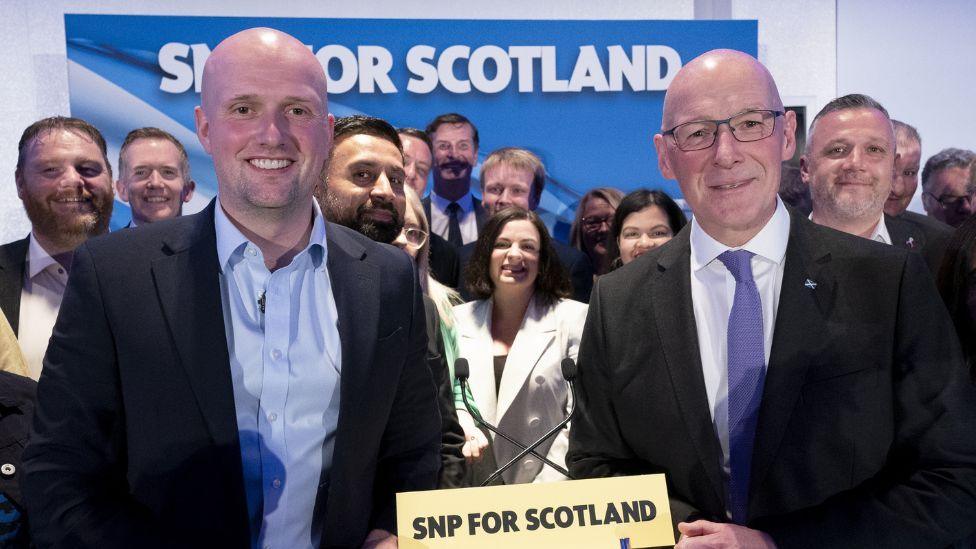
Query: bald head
707	75
731	175
259	46
264	118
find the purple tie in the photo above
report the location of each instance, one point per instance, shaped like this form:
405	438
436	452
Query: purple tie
747	370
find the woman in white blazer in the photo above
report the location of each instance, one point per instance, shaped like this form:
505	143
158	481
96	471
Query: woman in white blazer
515	337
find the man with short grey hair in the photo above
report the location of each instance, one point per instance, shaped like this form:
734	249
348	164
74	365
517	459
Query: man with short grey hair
948	191
850	166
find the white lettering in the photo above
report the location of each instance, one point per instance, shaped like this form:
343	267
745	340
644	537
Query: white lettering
375	63
549	81
632	68
655	54
348	66
503	69
588	72
445	69
417	58
200	54
524	56
179	74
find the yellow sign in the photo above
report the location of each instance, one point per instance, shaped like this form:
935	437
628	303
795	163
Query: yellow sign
577	513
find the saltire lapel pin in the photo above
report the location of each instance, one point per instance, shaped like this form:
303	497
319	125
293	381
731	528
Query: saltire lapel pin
810	284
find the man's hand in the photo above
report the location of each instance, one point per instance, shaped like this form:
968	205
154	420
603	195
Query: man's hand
380	539
702	533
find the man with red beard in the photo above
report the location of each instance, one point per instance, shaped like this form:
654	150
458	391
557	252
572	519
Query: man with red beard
850	166
65	182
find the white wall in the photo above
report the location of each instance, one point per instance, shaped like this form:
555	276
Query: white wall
919	60
796	41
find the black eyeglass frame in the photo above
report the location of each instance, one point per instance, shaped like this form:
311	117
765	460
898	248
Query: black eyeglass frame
718	124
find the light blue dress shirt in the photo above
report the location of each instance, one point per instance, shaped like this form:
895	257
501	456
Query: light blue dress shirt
285	368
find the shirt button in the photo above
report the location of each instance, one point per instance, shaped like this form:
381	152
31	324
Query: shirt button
276	483
272	416
251	252
540	379
60	271
276	354
7	469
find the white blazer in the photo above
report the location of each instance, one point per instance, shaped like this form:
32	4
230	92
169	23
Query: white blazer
533	396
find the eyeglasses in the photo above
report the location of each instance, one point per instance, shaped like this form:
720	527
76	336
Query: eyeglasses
747	126
594	222
415	237
952	202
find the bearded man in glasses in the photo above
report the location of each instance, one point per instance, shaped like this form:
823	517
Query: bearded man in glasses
775	370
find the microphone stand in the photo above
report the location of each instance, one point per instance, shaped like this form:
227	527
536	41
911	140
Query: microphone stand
490	427
526	450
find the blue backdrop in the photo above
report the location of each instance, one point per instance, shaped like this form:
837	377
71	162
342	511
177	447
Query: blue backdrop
586	96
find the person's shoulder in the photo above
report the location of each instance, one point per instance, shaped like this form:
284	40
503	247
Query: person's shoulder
356	244
16	250
570	308
823	240
150	238
926	224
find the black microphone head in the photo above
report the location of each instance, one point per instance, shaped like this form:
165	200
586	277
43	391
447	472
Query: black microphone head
569	369
461	369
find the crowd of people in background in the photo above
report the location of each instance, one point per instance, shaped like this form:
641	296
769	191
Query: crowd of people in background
497	290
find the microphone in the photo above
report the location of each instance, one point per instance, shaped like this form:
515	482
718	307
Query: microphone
461	372
569	374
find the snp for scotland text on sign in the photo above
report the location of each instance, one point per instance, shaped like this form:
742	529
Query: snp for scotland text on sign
585	95
581	513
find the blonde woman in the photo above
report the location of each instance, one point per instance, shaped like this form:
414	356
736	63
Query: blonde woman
415	240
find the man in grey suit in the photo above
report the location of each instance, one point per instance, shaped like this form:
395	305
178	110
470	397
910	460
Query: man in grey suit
774	370
248	376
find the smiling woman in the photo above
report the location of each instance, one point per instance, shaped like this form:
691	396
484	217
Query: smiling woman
514	338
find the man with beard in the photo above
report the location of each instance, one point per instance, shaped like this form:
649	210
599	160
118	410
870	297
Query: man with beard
850	165
248	376
65	182
453	211
154	175
363	190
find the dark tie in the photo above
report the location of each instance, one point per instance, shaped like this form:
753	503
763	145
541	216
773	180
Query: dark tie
747	371
454	225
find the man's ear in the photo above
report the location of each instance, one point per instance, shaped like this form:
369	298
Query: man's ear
19	180
663	163
805	169
203	128
122	190
188	189
789	137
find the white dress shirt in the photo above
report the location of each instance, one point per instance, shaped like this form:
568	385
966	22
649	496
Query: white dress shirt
285	361
712	293
440	220
40	299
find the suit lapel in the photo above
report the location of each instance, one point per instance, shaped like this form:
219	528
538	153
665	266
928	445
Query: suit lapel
903	234
188	288
536	334
355	286
13	261
476	333
675	318
806	297
480	214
